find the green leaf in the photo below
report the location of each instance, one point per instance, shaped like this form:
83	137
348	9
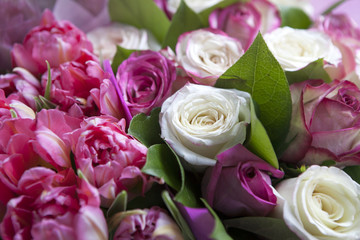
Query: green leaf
120	55
270	228
48	82
314	70
332	7
258	73
141	14
353	172
146	128
219	232
258	142
42	103
204	15
185	229
184	20
118	205
294	17
151	198
161	162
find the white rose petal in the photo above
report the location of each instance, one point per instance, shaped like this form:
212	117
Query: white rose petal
296	48
199	122
105	39
196	5
205	55
322	203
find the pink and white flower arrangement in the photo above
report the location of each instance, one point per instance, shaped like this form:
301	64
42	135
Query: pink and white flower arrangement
241	122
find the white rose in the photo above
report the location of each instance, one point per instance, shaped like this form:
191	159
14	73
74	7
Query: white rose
321	203
196	5
205	55
304	5
199	122
296	48
105	39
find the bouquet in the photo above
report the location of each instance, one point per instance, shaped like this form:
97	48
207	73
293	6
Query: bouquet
169	119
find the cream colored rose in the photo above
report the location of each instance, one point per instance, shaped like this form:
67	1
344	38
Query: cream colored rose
322	203
199	122
196	5
205	54
296	48
105	39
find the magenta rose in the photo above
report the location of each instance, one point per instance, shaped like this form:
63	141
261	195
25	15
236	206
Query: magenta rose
109	158
54	206
239	184
145	80
54	41
71	83
244	20
325	123
153	223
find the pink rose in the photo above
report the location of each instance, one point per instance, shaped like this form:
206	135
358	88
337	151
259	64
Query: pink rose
153	223
324	115
145	80
244	20
71	83
56	206
239	184
54	41
109	158
345	34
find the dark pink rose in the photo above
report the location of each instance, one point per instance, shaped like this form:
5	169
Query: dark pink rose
54	41
153	223
145	80
244	20
325	123
239	184
54	205
109	158
71	83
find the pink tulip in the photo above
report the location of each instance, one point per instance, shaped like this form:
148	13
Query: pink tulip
54	41
244	20
50	144
239	184
323	116
109	158
57	209
71	83
151	223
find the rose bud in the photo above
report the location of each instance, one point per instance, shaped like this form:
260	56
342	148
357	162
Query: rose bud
323	116
239	184
205	54
109	158
151	223
54	41
321	203
244	20
199	122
